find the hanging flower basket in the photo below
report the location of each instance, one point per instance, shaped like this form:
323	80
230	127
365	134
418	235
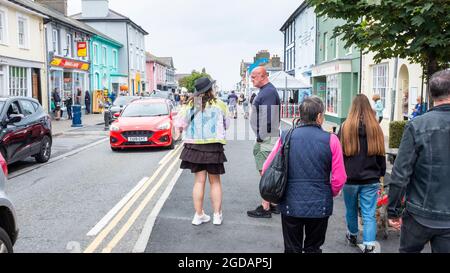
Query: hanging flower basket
123	88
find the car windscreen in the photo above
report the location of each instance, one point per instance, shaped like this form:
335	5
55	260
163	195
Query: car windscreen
2	104
122	101
146	110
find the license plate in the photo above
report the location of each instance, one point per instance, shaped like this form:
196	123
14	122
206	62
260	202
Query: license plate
137	139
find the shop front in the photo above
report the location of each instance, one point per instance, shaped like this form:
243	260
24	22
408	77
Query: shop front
336	83
70	79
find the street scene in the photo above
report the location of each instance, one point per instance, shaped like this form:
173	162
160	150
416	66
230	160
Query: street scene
322	129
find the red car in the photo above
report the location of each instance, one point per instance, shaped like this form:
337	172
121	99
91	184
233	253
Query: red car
144	123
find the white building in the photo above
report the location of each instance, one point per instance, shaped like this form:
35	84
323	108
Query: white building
22	52
391	79
132	62
300	42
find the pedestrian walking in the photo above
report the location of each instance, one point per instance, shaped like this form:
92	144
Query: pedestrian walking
57	100
421	174
379	108
265	122
69	102
232	104
87	102
78	98
316	174
204	121
362	142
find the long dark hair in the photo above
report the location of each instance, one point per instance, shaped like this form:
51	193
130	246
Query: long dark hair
205	98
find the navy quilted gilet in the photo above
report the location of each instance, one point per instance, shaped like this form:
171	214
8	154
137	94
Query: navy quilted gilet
308	191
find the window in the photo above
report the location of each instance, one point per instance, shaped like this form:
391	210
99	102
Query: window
95	54
114	63
96	81
22	28
332	94
380	81
18	81
2	80
27	108
325	46
69	45
14	109
55	41
3	27
104	55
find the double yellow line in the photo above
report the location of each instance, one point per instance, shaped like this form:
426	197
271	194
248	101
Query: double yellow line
128	224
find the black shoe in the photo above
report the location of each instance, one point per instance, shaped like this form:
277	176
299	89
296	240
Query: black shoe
274	209
259	212
352	239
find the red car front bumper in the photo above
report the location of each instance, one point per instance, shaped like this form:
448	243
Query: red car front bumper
121	139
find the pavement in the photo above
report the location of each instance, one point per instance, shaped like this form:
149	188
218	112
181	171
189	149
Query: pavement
59	127
174	233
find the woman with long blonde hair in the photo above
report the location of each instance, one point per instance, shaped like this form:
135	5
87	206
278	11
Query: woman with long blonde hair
365	162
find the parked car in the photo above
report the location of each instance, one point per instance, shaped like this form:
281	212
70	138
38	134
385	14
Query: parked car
117	107
144	123
26	130
8	220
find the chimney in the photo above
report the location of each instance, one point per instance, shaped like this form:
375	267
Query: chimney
58	5
94	8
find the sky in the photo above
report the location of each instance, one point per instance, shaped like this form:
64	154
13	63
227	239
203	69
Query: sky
213	34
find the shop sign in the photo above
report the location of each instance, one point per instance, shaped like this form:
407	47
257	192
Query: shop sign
82	49
69	64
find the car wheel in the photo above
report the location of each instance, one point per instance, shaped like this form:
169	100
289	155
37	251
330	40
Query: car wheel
172	145
5	242
114	149
46	150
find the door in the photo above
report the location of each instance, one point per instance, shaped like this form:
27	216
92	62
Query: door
16	138
36	84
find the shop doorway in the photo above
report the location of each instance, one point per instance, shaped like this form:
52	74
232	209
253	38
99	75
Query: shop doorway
36	84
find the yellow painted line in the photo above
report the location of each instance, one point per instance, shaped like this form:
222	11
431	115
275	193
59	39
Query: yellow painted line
105	232
138	211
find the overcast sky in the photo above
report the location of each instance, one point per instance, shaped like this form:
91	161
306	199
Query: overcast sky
215	34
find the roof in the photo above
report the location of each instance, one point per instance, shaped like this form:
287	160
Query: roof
165	61
294	15
112	16
282	80
55	15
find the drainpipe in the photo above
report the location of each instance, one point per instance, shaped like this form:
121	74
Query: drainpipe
394	88
47	64
128	60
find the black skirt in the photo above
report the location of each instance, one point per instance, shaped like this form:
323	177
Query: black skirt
203	157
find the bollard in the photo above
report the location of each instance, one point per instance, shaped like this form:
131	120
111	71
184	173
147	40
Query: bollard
76	112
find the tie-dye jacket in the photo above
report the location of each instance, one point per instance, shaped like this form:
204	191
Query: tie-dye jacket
204	127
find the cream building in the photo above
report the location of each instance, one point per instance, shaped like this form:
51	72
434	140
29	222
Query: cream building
22	53
391	79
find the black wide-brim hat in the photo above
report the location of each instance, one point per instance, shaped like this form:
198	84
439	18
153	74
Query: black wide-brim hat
203	85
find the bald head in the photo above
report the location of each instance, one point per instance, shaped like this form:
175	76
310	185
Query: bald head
260	77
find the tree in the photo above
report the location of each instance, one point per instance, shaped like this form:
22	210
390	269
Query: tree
189	81
417	30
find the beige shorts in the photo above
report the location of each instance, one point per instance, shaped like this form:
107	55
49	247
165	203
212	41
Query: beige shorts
261	151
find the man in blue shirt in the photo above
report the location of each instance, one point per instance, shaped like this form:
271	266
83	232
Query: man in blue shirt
232	104
265	122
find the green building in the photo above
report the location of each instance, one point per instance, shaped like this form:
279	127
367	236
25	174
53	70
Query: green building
336	75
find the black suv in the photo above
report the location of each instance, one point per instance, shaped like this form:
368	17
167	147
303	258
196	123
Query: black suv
25	130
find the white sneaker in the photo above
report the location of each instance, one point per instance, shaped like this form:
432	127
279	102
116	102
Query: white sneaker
200	219
218	218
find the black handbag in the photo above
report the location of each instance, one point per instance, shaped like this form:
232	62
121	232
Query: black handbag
273	182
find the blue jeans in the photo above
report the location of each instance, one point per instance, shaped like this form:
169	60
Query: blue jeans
367	196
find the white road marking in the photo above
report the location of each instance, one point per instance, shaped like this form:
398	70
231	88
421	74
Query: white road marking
142	242
105	220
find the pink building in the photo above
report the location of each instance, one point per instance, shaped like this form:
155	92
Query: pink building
160	73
